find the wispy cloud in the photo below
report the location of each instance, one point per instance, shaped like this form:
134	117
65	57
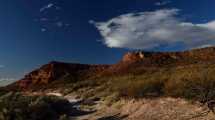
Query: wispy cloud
2	66
151	30
162	3
50	18
50	5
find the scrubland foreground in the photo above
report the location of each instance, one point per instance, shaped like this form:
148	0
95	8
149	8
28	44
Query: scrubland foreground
142	86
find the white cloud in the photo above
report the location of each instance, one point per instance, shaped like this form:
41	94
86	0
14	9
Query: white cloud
151	30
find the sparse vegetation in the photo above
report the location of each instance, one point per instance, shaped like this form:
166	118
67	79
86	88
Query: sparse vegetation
194	82
172	77
190	82
14	106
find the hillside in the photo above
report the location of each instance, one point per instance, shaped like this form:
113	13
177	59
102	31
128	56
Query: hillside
165	80
139	74
54	71
132	62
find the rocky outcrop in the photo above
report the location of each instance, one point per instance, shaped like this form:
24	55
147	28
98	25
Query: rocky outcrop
56	70
196	55
133	57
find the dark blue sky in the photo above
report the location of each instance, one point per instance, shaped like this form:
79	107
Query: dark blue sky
25	47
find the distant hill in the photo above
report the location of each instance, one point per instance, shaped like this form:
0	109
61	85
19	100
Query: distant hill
138	74
54	71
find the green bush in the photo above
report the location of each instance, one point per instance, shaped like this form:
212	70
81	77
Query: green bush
199	86
14	106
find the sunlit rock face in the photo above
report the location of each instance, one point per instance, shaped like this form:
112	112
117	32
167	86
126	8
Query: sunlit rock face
205	54
57	70
133	56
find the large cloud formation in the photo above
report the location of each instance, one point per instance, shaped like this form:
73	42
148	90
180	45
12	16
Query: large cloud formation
151	30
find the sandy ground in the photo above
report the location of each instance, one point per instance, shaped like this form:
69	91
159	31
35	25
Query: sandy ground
142	109
151	109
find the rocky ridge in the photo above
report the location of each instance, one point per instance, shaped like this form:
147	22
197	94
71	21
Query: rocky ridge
132	61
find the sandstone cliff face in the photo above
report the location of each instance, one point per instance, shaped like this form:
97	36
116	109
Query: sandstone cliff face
55	70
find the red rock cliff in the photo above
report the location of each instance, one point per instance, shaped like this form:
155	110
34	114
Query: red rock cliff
55	70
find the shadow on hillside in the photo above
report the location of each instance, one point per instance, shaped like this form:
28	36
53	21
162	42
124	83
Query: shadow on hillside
77	112
114	117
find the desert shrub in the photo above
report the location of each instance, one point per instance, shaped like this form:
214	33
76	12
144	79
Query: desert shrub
138	86
199	86
197	82
14	106
142	89
191	82
3	91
